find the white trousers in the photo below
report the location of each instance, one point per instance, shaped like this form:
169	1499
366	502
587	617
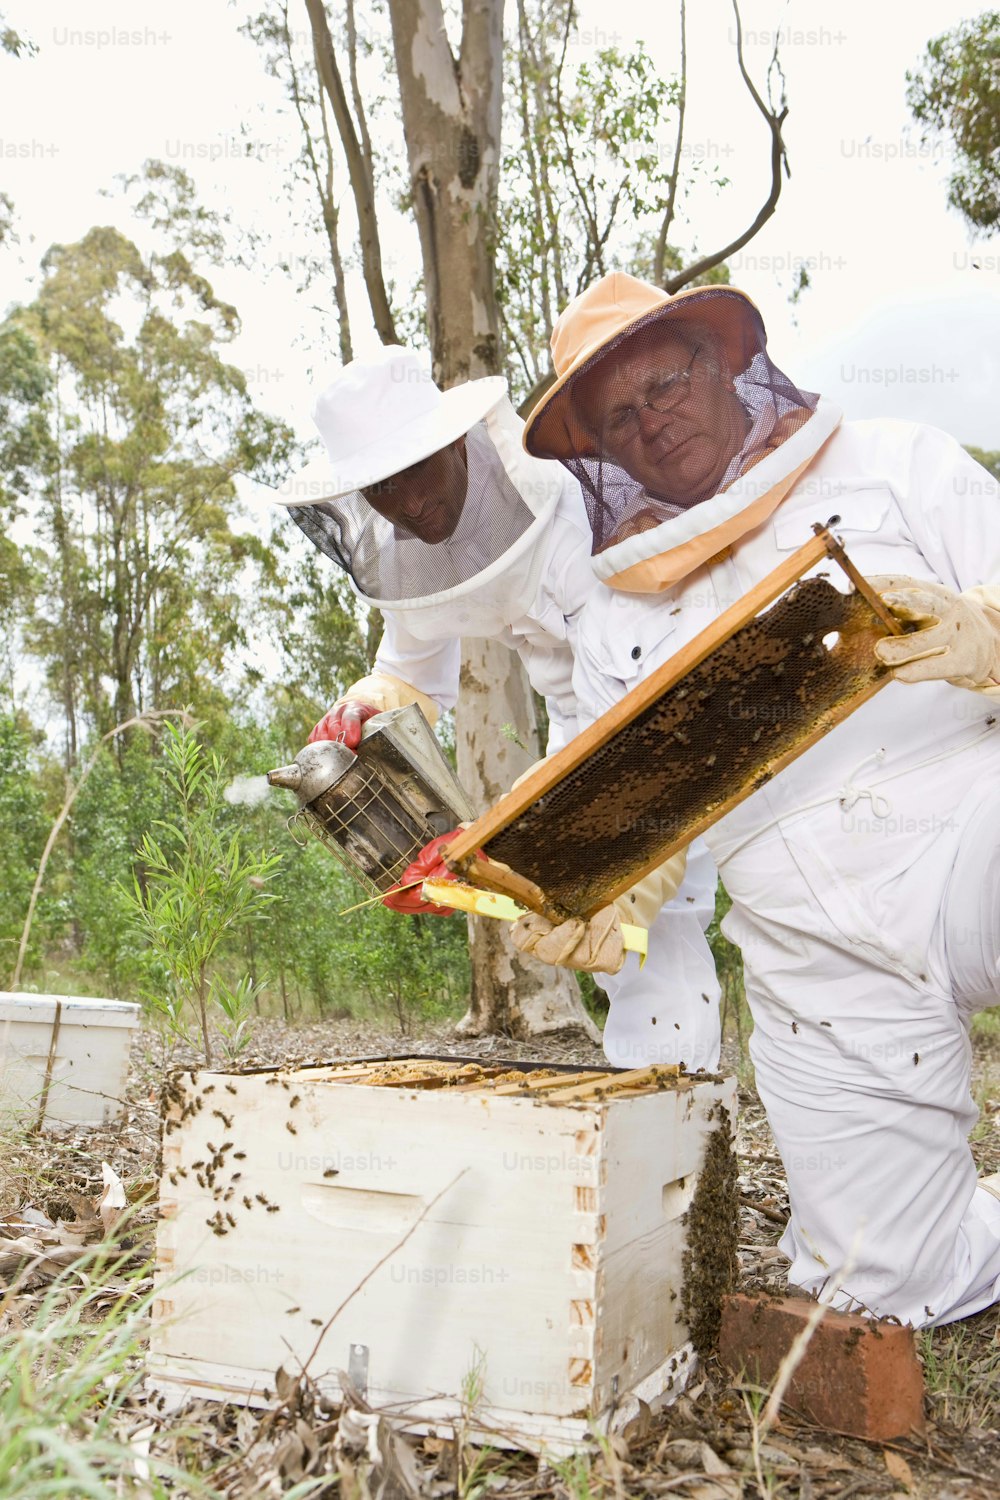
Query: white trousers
865	1076
668	1011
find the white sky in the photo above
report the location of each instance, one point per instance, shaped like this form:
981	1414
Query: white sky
897	321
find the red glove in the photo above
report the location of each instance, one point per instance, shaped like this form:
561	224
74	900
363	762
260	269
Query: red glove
428	865
342	723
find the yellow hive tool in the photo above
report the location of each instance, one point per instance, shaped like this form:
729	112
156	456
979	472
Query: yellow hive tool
490	904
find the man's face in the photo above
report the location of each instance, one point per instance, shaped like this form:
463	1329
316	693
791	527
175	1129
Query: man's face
663	408
427	498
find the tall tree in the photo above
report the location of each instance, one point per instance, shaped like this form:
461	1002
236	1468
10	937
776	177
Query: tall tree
352	128
956	92
596	169
316	163
451	103
135	497
25	448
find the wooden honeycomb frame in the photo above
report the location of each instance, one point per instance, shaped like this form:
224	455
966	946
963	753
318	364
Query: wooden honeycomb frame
562	845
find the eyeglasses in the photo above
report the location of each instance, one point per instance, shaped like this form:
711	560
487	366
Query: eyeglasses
663	394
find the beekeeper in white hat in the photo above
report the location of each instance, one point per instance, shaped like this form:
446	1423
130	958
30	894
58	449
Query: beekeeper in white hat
865	876
430	504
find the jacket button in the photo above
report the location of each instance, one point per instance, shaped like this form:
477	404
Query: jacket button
636	652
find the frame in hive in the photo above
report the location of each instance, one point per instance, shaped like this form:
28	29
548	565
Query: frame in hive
774	673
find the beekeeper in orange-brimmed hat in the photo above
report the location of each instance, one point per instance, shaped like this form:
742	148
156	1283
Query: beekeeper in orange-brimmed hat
865	876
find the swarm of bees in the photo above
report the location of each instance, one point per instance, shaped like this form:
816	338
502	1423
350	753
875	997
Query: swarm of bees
181	1100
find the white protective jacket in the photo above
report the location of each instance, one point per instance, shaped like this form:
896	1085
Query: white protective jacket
848	871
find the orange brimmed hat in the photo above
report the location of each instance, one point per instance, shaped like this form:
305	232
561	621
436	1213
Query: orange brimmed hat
610	311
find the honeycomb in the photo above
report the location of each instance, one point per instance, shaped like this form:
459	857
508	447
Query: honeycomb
710	740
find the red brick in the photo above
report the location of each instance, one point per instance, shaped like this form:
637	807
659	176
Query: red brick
857	1375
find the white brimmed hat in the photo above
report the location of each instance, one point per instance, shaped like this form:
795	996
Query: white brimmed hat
378	416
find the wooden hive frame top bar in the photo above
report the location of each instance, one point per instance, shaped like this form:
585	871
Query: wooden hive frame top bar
543	1085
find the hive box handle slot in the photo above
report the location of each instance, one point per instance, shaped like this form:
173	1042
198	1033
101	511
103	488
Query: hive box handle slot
361	1208
677	1195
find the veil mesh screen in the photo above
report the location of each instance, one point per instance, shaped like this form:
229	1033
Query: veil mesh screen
388	563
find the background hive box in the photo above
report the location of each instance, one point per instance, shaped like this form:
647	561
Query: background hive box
453	1228
68	1052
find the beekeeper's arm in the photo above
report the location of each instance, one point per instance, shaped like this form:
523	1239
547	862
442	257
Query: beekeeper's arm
406	670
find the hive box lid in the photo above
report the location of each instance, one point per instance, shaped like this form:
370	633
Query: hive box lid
77	1010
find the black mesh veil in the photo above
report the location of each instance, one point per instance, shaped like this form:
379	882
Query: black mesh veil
388	564
670	413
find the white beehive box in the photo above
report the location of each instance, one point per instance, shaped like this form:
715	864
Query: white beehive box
521	1249
69	1052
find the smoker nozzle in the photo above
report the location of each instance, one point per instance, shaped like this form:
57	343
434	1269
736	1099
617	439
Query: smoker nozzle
290	776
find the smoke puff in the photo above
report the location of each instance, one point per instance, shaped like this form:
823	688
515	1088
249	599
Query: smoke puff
247	791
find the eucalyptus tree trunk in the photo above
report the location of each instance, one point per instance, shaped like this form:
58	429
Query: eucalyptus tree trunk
511	995
451	106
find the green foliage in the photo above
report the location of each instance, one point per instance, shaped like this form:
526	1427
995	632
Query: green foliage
66	1373
194	885
956	92
321	633
369	961
590	178
122	799
165	197
990	459
122	428
12	42
25	441
25	827
285	950
411	966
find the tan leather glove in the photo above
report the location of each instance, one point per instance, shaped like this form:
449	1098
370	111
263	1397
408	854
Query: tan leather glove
383	691
642	902
595	945
957	639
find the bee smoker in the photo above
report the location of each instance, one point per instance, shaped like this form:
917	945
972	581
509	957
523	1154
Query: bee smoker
376	810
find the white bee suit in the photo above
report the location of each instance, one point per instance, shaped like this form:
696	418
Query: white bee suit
865	880
669	1010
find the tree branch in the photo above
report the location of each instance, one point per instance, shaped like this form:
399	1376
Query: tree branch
359	108
323	179
659	261
368	235
775	120
593	234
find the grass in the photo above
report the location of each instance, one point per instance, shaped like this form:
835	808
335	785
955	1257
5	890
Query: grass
962	1370
576	1477
67	1371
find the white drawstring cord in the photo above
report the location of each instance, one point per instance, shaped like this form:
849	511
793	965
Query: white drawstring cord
851	794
